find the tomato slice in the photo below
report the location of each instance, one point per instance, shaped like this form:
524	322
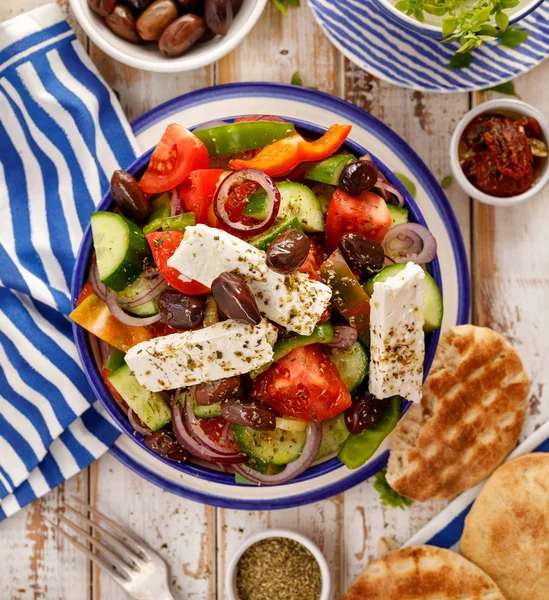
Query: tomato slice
198	192
213	428
367	214
305	384
163	244
284	155
178	153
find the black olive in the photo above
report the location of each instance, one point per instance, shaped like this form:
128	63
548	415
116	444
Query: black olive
215	391
163	442
256	415
365	411
361	254
288	251
218	15
129	197
358	177
234	299
179	310
344	337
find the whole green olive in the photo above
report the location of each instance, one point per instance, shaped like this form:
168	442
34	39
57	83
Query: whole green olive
156	18
123	22
181	35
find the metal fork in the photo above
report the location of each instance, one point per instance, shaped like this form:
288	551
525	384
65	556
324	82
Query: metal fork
126	558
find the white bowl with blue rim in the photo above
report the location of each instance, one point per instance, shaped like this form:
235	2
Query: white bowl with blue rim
432	26
378	38
314	111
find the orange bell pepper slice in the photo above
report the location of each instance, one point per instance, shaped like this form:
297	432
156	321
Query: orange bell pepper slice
94	315
285	154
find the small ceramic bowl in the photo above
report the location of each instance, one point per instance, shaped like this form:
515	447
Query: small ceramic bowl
230	581
495	106
149	58
432	27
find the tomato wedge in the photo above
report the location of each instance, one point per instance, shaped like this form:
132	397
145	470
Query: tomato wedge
213	429
198	192
367	214
178	153
163	244
285	154
305	384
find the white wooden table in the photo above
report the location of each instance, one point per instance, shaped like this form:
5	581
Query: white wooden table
510	269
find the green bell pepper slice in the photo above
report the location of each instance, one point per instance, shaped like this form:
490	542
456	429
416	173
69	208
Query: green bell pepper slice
175	223
322	334
225	140
115	360
358	448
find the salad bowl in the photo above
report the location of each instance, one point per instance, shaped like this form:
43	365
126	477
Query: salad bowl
88	349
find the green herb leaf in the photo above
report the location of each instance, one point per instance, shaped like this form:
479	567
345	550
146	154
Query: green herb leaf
402	5
489	30
418	14
282	5
449	25
296	79
407	183
512	38
482	15
388	495
507	88
439	11
509	3
446	181
502	21
460	61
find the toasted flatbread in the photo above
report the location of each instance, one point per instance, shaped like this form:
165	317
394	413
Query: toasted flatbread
423	573
507	531
471	415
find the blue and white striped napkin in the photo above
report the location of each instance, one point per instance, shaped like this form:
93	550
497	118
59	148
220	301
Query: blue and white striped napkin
446	528
62	134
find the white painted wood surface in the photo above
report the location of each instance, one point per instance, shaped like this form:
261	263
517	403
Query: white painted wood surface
511	293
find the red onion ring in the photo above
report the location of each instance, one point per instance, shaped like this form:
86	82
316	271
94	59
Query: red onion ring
388	261
389	187
137	424
193	446
121	316
104	351
410	242
236	178
156	286
175	203
293	469
99	289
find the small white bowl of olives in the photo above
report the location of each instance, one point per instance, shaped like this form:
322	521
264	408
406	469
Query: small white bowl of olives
167	36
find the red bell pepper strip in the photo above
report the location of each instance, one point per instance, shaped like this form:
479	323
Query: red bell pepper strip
285	154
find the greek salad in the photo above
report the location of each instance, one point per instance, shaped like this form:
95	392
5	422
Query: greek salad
260	299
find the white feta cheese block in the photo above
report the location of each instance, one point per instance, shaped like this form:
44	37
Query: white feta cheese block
293	301
397	341
222	350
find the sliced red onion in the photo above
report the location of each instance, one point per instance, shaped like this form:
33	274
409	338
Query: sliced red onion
388	261
99	289
155	287
389	187
137	424
237	178
192	445
410	242
293	469
175	203
123	317
104	351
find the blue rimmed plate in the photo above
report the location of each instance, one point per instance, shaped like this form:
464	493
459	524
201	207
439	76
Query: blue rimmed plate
316	108
369	37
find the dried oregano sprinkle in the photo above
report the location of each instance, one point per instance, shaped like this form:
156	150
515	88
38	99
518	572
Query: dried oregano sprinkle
278	569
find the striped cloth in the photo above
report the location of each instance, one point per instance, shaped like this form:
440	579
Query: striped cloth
62	133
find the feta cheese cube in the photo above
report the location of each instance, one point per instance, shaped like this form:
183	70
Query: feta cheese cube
222	350
397	341
293	301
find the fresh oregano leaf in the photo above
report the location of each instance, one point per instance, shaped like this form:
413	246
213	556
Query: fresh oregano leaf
446	181
507	88
502	21
407	183
460	61
511	38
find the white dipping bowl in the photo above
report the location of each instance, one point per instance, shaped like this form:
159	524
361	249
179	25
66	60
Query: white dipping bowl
230	581
149	58
495	106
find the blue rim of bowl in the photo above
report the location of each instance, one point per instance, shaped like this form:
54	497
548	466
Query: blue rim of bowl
428	183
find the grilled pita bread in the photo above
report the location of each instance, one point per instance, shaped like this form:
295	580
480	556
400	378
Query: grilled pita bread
471	415
423	573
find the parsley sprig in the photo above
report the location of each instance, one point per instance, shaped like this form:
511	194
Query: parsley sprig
389	497
469	22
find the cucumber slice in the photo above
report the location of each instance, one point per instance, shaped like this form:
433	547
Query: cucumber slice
264	240
352	364
150	407
210	411
134	290
434	307
120	247
296	200
278	447
324	193
398	214
329	170
334	434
